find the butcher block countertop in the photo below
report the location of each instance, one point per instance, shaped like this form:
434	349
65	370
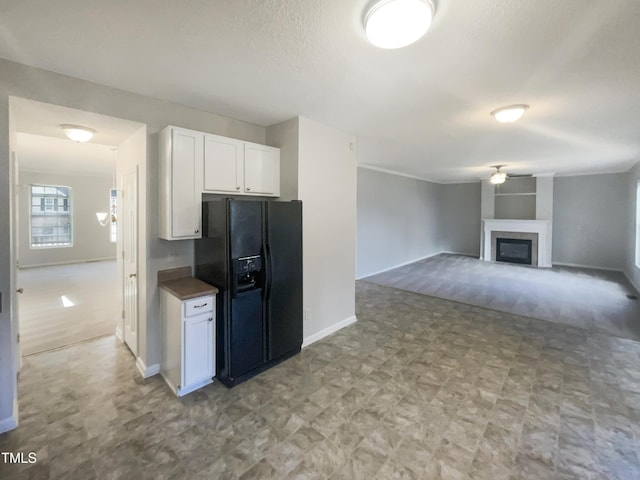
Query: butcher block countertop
180	283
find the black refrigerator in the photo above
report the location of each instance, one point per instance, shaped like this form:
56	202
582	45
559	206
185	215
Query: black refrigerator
251	251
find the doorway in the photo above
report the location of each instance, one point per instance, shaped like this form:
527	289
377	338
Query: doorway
70	267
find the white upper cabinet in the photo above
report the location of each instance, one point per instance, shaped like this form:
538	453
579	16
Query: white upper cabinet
223	167
181	154
195	162
241	168
261	170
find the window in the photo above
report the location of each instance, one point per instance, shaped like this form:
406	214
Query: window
638	225
51	219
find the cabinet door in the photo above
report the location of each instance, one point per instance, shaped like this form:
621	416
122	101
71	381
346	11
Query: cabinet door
198	362
186	159
261	170
223	167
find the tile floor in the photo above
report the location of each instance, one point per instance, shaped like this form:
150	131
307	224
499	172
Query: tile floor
419	388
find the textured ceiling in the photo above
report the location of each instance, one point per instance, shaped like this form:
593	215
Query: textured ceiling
422	110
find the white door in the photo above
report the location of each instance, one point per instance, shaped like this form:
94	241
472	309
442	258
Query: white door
197	351
13	282
129	224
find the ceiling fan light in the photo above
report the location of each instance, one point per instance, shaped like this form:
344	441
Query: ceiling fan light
509	114
397	23
498	178
77	133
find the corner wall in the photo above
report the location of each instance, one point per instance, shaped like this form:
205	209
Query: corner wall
398	221
327	188
630	268
590	217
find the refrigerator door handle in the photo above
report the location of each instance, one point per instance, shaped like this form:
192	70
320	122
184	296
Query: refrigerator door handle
267	257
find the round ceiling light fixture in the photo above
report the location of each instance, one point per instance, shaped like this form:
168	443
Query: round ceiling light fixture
398	23
510	113
77	133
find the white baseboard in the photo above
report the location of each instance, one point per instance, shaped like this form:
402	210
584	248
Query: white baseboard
11	422
328	331
72	262
119	334
636	286
145	371
593	267
475	255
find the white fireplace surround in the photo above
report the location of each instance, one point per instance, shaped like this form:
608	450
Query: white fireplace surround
541	227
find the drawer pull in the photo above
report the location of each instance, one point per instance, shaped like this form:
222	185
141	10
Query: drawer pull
200	306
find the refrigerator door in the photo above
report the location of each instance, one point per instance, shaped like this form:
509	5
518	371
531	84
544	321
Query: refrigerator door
246	333
283	257
245	228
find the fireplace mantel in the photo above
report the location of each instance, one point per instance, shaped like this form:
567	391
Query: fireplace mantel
541	227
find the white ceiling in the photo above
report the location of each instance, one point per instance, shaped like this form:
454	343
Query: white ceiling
422	110
43	146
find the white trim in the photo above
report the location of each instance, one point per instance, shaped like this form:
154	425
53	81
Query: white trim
328	331
11	422
145	371
592	267
634	284
72	262
475	255
415	177
399	265
119	334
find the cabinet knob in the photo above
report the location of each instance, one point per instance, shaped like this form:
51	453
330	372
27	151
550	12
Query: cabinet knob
197	230
238	187
248	189
211	319
20	290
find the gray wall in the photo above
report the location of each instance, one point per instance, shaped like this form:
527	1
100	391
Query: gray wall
402	219
90	240
632	271
459	210
590	216
397	221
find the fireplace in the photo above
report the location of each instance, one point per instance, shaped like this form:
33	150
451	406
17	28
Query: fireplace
514	250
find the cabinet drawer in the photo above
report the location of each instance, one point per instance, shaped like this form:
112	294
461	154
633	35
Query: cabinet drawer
198	305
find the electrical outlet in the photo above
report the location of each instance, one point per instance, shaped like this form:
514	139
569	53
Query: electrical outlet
171	256
307	314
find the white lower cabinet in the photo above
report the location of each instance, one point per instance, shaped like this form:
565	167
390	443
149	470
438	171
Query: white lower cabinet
188	341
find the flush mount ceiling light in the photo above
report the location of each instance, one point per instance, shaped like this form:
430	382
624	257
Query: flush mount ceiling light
398	23
510	114
498	177
77	133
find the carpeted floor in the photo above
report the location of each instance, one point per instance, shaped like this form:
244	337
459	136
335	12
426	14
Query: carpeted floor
592	299
66	304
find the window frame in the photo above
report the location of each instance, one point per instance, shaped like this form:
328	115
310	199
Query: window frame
70	204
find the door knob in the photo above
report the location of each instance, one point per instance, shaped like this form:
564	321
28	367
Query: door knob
131	275
20	290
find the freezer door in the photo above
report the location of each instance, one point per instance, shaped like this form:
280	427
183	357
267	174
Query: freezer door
245	228
284	277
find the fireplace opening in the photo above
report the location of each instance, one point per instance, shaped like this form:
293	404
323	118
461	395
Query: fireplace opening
513	250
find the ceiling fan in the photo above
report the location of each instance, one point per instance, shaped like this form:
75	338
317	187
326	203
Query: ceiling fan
499	177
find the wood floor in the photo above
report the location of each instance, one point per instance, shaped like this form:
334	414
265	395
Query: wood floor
66	304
